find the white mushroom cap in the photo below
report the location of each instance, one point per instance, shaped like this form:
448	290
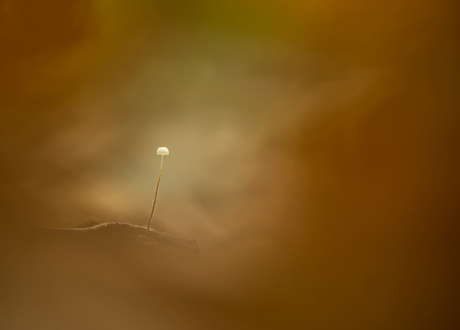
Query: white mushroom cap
163	151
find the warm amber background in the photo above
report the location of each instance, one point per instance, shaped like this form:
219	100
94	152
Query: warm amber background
314	156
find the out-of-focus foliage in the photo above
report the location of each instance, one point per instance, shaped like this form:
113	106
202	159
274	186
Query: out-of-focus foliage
314	157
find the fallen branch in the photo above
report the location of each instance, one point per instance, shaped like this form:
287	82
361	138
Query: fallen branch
114	230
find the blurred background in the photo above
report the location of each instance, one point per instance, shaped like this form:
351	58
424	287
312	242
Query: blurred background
313	156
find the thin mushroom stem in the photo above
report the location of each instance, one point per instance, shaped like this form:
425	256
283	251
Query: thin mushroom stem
156	194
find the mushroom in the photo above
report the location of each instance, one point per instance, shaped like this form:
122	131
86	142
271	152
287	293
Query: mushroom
162	151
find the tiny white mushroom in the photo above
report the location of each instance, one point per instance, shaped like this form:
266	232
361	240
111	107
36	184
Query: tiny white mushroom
161	151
